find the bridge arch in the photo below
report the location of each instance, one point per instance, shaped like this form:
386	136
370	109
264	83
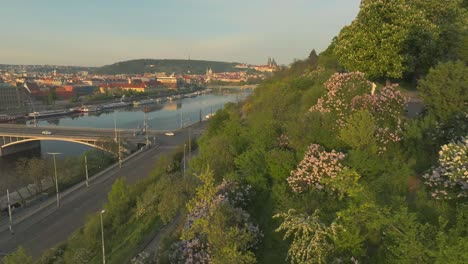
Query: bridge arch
57	139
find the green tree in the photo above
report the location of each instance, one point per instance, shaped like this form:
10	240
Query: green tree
450	16
445	89
228	237
313	58
34	171
376	40
311	238
119	204
359	131
17	257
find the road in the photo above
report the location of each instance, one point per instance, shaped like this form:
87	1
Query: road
51	226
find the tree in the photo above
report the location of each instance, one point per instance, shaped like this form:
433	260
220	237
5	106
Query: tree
313	57
450	16
445	89
376	40
34	170
119	202
450	179
311	238
316	166
359	131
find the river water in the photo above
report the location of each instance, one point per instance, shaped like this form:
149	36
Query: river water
165	116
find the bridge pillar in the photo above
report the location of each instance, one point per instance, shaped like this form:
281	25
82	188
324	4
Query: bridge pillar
30	145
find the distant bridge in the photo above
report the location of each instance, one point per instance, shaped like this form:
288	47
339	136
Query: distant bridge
16	138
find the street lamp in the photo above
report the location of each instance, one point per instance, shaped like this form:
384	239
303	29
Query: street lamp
185	145
86	168
56	180
118	151
9	212
190	142
115	125
102	236
146	129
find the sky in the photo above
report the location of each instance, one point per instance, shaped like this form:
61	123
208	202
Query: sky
101	32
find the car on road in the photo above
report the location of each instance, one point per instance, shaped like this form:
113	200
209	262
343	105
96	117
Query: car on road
169	133
46	132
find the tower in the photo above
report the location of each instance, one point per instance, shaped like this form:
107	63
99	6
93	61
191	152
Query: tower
188	65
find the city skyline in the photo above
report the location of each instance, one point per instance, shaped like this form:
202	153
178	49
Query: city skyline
85	33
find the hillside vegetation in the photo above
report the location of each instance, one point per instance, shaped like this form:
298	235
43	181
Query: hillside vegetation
320	164
164	65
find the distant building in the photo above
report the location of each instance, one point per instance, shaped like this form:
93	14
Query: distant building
242	66
12	96
137	86
170	81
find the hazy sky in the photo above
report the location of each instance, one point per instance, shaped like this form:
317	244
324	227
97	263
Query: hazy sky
99	32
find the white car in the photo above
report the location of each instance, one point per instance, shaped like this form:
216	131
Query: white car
46	132
169	133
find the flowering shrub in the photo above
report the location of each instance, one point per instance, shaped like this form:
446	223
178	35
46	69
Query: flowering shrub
450	179
283	141
217	211
351	92
342	88
311	239
316	165
190	252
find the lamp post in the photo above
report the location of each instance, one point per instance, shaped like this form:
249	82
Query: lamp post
118	151
190	142
146	130
56	180
9	212
86	168
185	145
102	236
181	118
115	125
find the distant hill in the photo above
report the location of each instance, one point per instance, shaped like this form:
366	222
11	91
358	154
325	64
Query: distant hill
165	65
44	68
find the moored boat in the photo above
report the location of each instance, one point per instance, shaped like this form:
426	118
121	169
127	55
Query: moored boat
49	113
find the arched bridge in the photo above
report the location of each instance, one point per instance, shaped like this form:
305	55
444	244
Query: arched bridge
16	138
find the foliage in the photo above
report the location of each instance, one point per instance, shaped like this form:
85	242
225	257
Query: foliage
351	92
216	230
445	90
19	256
311	238
34	170
376	41
359	131
450	179
316	165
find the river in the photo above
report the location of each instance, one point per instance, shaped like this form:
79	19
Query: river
165	116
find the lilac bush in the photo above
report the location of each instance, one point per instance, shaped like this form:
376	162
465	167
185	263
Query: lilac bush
316	165
195	246
449	180
351	92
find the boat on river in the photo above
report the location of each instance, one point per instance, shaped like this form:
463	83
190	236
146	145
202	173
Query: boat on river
144	102
46	114
90	108
116	105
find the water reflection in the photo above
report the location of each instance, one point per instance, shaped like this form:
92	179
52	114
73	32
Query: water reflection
167	116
